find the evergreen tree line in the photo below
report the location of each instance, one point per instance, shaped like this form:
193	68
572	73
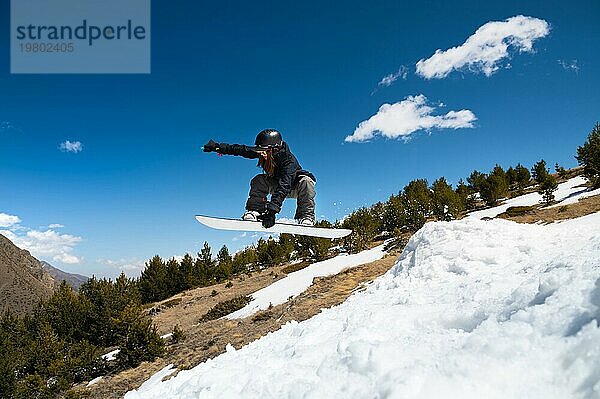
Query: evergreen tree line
419	202
62	342
162	279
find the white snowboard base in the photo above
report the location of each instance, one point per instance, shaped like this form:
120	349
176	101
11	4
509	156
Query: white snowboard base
289	228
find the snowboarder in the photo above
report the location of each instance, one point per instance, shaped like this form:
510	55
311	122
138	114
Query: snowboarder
282	177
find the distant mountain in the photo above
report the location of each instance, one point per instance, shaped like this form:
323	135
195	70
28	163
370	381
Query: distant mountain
74	280
23	281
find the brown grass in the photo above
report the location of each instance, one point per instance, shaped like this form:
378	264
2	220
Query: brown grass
583	207
294	267
193	304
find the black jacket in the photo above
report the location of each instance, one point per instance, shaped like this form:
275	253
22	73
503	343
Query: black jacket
286	173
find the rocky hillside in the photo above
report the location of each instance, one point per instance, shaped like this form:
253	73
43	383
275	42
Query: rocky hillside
74	280
23	281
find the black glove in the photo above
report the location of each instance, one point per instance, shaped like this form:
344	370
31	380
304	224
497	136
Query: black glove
211	146
268	218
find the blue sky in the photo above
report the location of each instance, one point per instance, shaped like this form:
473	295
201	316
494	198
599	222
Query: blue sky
309	69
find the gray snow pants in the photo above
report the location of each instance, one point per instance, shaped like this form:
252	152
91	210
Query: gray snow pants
303	190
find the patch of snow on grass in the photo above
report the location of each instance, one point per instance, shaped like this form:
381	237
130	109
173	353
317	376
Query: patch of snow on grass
112	355
567	193
94	381
297	282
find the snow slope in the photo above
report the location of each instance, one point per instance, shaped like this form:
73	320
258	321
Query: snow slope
568	192
472	309
297	282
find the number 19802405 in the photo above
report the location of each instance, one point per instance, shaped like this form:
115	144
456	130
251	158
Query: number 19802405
47	47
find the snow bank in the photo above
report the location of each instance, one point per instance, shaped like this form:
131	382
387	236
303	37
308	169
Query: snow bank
472	309
297	282
568	192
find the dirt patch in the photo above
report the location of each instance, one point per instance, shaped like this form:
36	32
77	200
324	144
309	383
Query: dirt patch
207	340
536	214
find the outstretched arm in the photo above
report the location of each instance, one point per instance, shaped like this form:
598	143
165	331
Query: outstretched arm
231	149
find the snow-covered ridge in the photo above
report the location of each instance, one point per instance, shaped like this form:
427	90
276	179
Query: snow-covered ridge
568	192
472	309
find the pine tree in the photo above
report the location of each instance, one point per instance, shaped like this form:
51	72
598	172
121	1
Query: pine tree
447	205
14	338
125	291
417	203
476	180
522	177
99	294
153	280
270	253
262	252
245	260
588	156
394	214
547	189
498	171
562	172
495	186
364	226
466	195
378	212
287	244
205	266
186	271
66	313
137	337
224	264
511	175
540	171
174	282
313	247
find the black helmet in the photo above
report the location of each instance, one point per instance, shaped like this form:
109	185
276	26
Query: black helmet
268	138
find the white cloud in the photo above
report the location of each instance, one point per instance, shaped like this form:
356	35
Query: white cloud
572	65
392	77
55	226
132	267
483	50
48	245
402	119
8	220
71	146
45	245
8	234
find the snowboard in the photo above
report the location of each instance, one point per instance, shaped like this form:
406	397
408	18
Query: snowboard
280	227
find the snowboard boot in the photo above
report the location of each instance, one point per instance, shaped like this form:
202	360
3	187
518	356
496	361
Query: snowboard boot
306	222
251	216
